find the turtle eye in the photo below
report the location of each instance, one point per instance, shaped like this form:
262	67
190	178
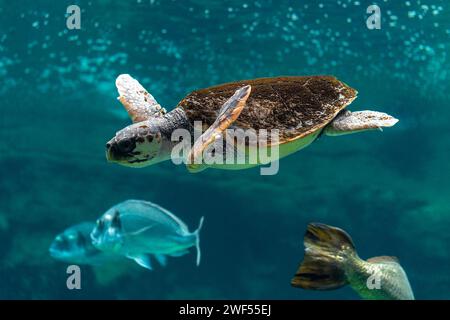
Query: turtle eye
126	145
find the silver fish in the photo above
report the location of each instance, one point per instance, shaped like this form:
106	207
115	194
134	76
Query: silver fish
331	262
140	229
74	245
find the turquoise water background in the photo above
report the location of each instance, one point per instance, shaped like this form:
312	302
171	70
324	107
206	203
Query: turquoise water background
389	191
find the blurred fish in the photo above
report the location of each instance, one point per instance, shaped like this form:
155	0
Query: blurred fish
138	229
331	262
74	245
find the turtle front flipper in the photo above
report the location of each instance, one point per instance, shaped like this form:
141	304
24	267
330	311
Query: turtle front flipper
351	122
229	112
139	104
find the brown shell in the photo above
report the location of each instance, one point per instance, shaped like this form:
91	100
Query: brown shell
296	106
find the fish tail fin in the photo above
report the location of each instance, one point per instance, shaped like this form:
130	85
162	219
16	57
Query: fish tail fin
197	239
327	250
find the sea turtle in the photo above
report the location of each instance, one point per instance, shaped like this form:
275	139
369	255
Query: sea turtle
301	108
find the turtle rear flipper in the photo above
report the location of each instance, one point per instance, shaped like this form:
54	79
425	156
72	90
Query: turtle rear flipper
139	104
351	122
228	113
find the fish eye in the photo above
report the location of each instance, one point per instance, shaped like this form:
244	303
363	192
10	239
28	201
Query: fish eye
100	224
63	242
71	236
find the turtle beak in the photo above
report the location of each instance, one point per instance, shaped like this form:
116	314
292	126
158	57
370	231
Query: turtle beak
111	152
114	155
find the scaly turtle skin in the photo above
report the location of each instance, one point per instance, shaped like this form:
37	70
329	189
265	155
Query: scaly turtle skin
300	108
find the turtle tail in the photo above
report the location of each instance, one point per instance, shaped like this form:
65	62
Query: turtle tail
197	239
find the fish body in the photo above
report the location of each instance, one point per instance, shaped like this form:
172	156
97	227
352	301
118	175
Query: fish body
331	262
141	229
379	278
74	245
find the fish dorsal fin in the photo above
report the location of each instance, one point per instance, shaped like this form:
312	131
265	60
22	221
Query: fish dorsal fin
383	259
169	214
139	104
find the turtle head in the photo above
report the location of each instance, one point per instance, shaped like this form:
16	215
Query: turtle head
138	145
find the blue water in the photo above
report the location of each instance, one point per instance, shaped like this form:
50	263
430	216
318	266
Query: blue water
388	190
